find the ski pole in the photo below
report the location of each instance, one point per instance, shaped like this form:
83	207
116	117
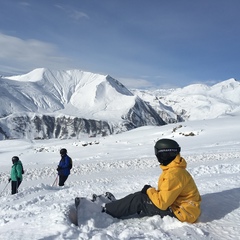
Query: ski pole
4	188
55	181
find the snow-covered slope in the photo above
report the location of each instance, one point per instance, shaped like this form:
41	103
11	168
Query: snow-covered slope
122	164
154	98
73	92
196	101
203	102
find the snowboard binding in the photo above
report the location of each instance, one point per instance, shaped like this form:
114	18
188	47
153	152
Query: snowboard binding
107	195
110	196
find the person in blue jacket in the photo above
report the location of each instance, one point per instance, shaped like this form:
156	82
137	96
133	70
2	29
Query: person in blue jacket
16	174
64	167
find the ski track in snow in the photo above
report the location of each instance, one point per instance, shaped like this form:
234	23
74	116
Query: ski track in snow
141	163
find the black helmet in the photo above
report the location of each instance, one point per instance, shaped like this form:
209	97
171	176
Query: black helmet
63	151
166	150
15	159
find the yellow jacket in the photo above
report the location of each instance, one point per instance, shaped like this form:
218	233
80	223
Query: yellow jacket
177	189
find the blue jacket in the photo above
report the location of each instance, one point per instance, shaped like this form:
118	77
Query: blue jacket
64	166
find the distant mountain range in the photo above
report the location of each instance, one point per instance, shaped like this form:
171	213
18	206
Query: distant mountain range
64	104
196	101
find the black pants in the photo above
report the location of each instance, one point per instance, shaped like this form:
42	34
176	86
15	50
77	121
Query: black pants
62	180
15	186
135	203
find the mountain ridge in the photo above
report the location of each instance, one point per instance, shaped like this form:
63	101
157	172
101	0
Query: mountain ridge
197	101
48	103
81	96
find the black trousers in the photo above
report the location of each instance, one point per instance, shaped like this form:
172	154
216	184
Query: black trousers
15	186
62	180
135	203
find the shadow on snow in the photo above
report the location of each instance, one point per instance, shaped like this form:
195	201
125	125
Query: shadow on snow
216	205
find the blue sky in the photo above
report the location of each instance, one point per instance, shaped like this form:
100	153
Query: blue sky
142	43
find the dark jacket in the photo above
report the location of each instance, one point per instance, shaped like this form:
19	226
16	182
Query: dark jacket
64	166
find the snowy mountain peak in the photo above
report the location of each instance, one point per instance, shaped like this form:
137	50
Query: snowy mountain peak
33	76
59	89
196	101
200	101
96	103
228	85
71	94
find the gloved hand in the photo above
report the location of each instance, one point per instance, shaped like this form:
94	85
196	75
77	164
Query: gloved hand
18	179
9	180
145	188
59	168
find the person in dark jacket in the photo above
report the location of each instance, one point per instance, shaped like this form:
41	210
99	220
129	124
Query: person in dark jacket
64	167
16	174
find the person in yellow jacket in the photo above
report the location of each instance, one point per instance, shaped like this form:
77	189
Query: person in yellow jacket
176	196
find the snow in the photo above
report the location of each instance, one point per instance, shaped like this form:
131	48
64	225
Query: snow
33	76
197	101
220	99
100	97
72	92
122	164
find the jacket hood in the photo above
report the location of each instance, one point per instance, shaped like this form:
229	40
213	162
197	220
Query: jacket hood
178	161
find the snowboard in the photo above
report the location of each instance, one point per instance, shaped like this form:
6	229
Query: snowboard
91	209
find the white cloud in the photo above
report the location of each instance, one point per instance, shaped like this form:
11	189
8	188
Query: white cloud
16	53
75	14
78	14
135	83
24	4
147	82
